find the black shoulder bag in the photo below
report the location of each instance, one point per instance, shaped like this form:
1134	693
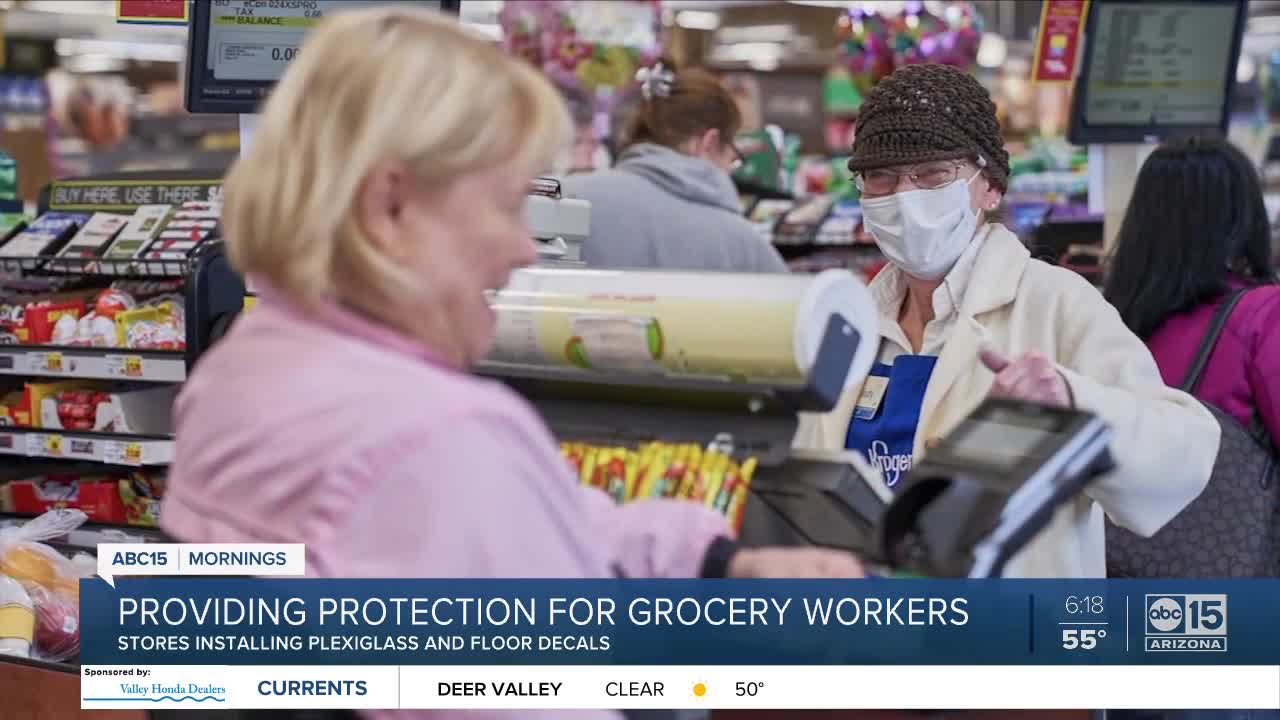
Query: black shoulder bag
1233	528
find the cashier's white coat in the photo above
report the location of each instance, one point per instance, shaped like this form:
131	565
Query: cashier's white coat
1165	441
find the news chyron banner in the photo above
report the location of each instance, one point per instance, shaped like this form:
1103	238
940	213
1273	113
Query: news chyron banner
303	643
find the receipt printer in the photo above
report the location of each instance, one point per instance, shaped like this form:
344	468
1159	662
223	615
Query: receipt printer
993	484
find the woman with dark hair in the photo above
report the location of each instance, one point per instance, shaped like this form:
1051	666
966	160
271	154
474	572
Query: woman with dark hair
1197	230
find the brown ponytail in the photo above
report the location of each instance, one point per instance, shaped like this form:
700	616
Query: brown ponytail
685	106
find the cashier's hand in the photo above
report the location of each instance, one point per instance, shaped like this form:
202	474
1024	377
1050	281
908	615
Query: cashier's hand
1030	377
806	563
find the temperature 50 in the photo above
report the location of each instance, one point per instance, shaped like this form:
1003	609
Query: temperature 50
1084	639
747	688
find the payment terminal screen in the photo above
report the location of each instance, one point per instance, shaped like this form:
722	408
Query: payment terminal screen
250	42
1000	441
1159	63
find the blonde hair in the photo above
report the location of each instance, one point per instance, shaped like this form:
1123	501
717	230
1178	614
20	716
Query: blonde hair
368	86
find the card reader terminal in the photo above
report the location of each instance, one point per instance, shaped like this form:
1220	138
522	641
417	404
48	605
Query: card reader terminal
990	486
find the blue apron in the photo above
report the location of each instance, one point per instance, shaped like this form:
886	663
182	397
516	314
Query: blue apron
887	436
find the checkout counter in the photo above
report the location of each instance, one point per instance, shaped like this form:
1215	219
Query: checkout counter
728	360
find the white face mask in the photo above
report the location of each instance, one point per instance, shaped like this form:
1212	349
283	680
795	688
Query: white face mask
923	232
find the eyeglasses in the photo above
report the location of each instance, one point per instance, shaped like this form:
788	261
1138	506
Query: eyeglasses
925	176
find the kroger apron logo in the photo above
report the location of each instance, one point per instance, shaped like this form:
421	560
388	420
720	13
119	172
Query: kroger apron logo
892	467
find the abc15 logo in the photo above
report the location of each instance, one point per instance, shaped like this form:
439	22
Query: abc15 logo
1186	614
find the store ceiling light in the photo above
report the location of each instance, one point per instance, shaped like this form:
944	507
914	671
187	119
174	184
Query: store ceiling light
698	19
754	54
147	52
93	63
1246	69
755	34
1264	25
71	7
764	64
885	7
992	51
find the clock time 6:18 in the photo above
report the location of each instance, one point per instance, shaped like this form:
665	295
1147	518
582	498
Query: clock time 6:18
1085	605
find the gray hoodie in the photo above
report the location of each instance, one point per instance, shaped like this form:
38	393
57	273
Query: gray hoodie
659	208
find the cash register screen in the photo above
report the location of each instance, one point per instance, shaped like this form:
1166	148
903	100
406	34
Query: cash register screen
238	49
1002	439
1156	68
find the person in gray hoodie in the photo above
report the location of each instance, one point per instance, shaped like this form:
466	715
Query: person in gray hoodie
669	201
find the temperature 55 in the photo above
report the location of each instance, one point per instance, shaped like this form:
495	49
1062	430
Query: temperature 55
1082	638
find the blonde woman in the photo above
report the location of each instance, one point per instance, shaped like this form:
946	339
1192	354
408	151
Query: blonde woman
381	199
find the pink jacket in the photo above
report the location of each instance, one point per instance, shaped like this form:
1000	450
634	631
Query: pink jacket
335	432
1243	373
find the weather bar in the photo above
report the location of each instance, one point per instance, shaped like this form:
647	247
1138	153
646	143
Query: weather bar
680	687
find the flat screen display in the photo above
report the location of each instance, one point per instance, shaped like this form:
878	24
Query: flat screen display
1155	69
238	49
1003	438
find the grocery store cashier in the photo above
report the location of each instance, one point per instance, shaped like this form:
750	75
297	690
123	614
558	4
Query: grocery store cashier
381	201
966	313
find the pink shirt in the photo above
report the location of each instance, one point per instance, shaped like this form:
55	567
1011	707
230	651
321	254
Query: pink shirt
339	433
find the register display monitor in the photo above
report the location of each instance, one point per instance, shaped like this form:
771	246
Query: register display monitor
238	49
1154	69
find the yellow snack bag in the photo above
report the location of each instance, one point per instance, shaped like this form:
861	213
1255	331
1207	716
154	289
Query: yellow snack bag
716	480
632	473
653	474
687	481
588	465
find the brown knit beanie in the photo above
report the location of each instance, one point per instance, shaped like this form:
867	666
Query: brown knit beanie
921	113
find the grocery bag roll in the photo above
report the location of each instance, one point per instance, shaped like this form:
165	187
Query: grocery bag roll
753	328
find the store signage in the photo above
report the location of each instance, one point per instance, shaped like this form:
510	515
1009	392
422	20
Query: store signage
117	195
154	12
1058	40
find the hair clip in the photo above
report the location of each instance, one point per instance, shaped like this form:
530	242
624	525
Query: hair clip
655	81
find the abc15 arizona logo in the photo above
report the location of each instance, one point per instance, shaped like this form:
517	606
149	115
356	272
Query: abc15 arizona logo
1193	623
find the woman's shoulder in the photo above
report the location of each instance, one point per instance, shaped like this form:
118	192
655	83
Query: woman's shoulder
597	184
313	381
1262	299
1259	311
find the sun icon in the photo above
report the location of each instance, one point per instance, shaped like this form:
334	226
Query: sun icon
699	689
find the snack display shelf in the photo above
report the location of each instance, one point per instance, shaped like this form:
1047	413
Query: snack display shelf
89	363
98	266
108	448
88	536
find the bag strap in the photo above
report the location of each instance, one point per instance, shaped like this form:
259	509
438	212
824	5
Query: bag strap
1210	341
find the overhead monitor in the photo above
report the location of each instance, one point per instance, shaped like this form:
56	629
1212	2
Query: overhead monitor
238	49
1154	69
